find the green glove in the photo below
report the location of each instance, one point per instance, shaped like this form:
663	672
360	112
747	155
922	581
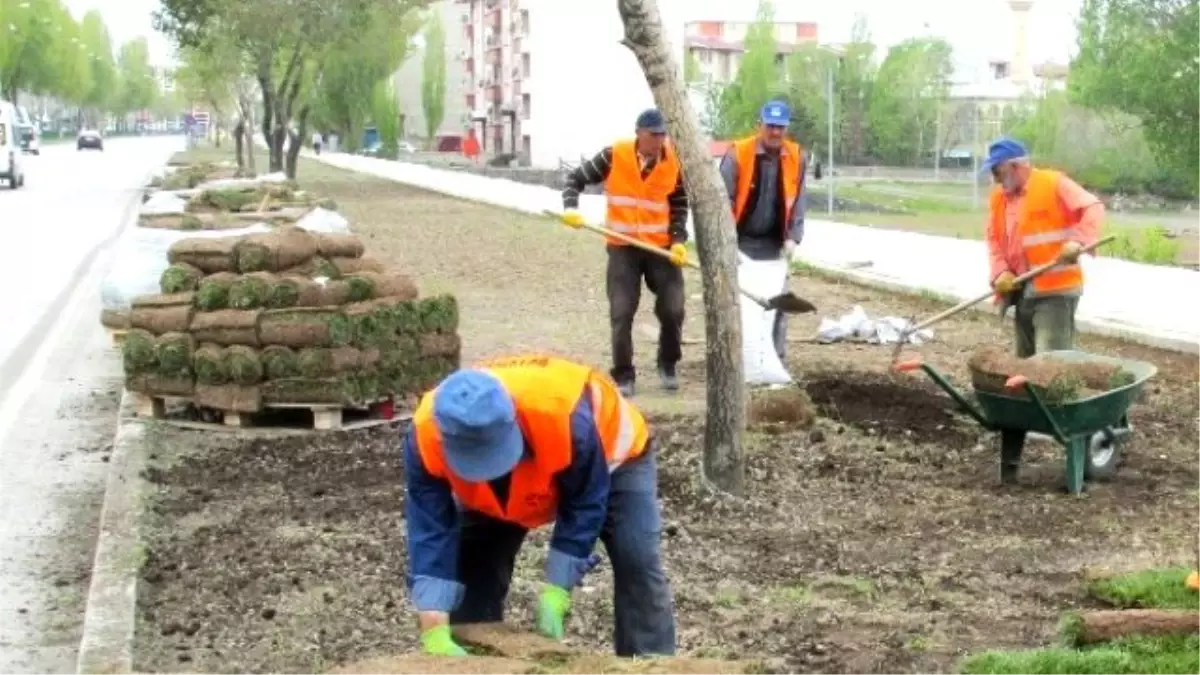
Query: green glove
437	641
552	611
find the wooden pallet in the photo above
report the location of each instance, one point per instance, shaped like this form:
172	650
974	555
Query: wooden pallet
324	416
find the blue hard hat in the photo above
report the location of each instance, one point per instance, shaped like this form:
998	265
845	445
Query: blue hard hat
776	114
477	419
1002	150
652	120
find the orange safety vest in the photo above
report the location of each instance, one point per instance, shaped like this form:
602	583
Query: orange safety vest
636	207
791	167
1043	226
545	390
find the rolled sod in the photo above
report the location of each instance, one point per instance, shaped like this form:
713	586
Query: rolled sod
227	327
280	362
275	251
138	353
213	292
173	351
283	292
229	397
210	254
116	319
360	287
305	327
208	363
340	390
357	265
337	245
162	313
369	385
334	293
439	314
230	200
407	315
440	344
250	291
160	385
434	369
317	362
308	293
243	365
374	322
393	285
180	278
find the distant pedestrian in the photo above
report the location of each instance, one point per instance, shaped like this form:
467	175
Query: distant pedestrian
317	142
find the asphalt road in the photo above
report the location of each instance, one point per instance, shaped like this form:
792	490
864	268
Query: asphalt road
60	384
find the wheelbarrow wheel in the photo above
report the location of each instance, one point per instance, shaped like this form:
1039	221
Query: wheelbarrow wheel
1104	455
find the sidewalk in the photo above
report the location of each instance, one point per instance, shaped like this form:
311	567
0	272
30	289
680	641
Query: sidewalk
1140	303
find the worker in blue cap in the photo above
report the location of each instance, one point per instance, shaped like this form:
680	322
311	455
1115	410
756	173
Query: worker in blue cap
764	175
1036	216
646	199
509	446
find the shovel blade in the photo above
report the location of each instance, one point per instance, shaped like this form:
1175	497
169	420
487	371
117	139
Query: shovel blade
790	303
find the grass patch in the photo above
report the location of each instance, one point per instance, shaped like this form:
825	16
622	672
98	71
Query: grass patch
1150	589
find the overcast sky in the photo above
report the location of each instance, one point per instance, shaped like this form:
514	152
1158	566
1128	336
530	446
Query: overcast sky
978	29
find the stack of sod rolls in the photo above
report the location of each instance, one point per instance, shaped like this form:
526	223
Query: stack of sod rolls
286	317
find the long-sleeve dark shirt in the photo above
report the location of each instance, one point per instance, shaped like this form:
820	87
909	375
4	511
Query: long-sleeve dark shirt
432	517
595	171
759	243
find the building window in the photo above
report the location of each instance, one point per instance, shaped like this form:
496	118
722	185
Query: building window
525	106
524	22
525	65
526	146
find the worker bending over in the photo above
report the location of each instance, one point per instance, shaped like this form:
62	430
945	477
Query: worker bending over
647	200
1037	216
764	175
515	444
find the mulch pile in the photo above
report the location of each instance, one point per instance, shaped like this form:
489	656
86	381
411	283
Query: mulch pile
246	322
1057	382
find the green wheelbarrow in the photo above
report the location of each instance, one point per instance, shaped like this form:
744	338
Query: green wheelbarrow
1091	429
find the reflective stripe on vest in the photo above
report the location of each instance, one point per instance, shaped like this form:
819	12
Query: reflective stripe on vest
1043	227
545	390
791	166
639	207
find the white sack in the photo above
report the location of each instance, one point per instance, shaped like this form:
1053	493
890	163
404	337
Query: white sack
324	220
765	278
164	203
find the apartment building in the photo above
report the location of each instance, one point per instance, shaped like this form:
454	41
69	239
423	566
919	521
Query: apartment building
549	80
718	46
406	82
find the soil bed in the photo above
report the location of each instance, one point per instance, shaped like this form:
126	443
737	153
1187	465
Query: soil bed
876	541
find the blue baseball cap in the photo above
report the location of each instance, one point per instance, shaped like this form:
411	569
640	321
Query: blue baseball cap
1002	150
477	418
652	120
776	114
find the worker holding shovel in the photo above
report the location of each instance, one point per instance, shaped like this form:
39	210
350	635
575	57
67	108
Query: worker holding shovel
648	202
515	444
764	175
1038	217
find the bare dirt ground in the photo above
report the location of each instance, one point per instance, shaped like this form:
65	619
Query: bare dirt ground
876	541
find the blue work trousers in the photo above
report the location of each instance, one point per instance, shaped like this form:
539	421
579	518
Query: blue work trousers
644	622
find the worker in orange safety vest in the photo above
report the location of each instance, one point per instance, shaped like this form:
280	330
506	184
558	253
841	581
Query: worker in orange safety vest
647	200
764	175
1037	216
509	446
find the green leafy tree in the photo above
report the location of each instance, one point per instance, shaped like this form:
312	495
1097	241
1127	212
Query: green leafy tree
103	81
29	46
385	112
433	77
139	84
808	69
72	74
758	79
911	85
1140	57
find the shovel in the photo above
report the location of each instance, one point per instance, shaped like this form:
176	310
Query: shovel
787	303
967	304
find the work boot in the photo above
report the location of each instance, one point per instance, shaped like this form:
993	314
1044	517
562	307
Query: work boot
626	388
667	374
1012	444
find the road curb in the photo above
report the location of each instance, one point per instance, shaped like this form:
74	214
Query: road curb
108	623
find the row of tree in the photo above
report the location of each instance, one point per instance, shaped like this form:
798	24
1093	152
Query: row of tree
45	51
1134	78
296	65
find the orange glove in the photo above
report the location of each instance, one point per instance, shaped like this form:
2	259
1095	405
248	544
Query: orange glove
679	255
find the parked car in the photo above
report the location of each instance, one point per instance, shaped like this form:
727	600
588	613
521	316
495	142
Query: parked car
30	142
11	167
89	138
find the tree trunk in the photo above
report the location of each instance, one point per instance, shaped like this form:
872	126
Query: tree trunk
239	131
248	112
1103	626
296	142
725	422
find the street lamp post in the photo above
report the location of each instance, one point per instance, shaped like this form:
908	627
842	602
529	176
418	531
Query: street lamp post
829	112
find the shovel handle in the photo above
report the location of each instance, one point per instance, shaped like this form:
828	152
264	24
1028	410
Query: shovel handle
966	304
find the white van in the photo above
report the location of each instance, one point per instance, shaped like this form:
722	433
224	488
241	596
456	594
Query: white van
11	169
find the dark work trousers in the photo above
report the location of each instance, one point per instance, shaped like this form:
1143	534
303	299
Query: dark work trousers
643	609
1041	324
627	266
